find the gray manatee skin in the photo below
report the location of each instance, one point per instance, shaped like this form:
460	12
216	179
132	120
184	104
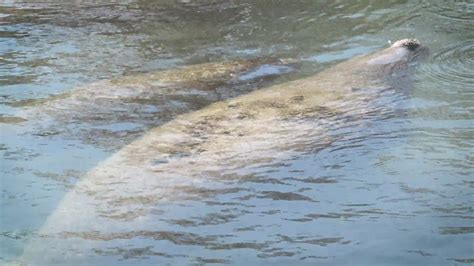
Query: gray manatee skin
90	112
114	202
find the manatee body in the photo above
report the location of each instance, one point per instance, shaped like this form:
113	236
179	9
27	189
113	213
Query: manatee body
117	201
96	111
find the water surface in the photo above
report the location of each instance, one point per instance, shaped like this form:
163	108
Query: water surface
395	188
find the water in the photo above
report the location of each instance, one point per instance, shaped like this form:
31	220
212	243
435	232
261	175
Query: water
397	190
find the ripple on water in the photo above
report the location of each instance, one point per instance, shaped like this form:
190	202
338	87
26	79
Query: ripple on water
451	9
452	65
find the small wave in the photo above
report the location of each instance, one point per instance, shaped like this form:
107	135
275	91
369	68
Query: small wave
452	9
452	65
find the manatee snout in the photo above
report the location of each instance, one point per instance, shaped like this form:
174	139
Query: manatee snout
416	50
399	54
410	44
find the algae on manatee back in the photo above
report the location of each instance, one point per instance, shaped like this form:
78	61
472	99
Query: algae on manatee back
199	153
11	119
92	112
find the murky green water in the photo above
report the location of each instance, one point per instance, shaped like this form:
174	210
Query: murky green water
398	190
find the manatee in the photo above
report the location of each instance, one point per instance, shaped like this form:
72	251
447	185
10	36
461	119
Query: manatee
120	200
98	111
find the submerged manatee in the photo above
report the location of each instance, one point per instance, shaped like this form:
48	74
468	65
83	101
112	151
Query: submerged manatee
119	201
105	111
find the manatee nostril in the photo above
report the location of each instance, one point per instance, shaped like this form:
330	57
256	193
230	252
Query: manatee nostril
410	44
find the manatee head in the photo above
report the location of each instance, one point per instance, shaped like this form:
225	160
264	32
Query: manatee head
399	55
393	65
389	65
